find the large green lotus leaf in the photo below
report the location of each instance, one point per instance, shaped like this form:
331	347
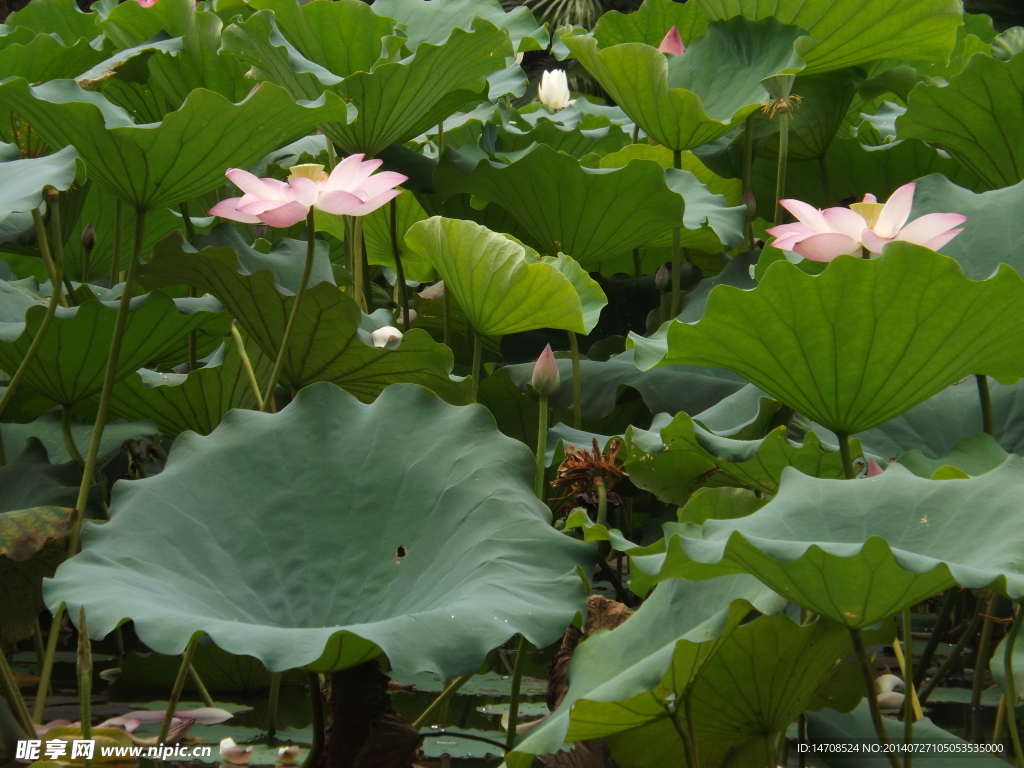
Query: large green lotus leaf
977	118
195	401
426	22
651	22
185	155
431	549
22	183
45	56
47	430
30	480
974	455
327	345
335	47
693	457
620	679
503	287
764	676
859	551
833	732
850	32
694	98
70	364
865	340
590	213
993	232
60	17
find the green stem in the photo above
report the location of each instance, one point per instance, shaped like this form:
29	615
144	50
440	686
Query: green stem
47	668
844	452
440	701
1011	687
358	264
396	253
477	355
109	378
272	704
933	640
332	159
37	642
981	666
33	348
748	174
577	383
197	681
84	658
57	249
316	702
69	438
908	685
9	687
602	500
513	705
289	328
43	241
637	263
677	162
440	139
115	259
446	319
186	221
250	374
950	660
869	688
542	445
997	732
179	684
683	730
636	133
985	396
780	178
826	183
193	357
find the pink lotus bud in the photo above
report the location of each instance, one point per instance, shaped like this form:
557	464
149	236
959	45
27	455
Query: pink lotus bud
89	237
672	43
873	469
545	380
663	278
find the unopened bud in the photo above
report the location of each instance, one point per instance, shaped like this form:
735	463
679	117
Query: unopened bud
672	43
89	237
663	278
386	337
545	380
750	202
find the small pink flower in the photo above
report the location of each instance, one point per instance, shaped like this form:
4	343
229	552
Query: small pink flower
824	235
672	43
147	3
350	190
545	380
874	470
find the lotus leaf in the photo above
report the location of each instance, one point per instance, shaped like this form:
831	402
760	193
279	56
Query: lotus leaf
426	23
651	22
695	98
501	286
850	32
905	326
430	549
47	430
23	182
972	456
858	551
60	17
43	57
326	345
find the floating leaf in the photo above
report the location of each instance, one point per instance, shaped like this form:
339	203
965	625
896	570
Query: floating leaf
428	547
22	183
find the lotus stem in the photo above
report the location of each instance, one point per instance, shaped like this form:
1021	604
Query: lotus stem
981	665
332	159
109	378
945	612
446	320
636	133
46	671
316	701
84	658
9	687
542	445
997	732
677	162
513	705
1011	687
441	700
577	383
179	684
910	699
683	729
69	438
57	248
987	424
844	452
44	252
396	252
477	355
250	374
826	182
602	500
115	258
358	263
780	178
197	681
37	641
869	688
748	174
37	342
440	139
950	660
268	397
272	703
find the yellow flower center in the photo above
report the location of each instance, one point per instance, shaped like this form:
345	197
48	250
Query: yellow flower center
870	211
308	171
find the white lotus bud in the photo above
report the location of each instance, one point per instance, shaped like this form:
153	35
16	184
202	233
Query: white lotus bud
553	92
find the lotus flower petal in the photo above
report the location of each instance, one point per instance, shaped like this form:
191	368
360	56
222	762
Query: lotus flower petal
233	753
845	221
808	214
286	215
896	211
227	209
672	43
827	246
386	336
930	226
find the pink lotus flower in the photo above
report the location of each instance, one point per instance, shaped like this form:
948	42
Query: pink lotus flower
672	43
867	225
350	190
147	3
545	380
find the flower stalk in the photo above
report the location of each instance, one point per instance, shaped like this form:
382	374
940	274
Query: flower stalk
396	252
985	396
1011	686
513	706
869	688
577	383
677	163
84	668
46	667
115	258
179	684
